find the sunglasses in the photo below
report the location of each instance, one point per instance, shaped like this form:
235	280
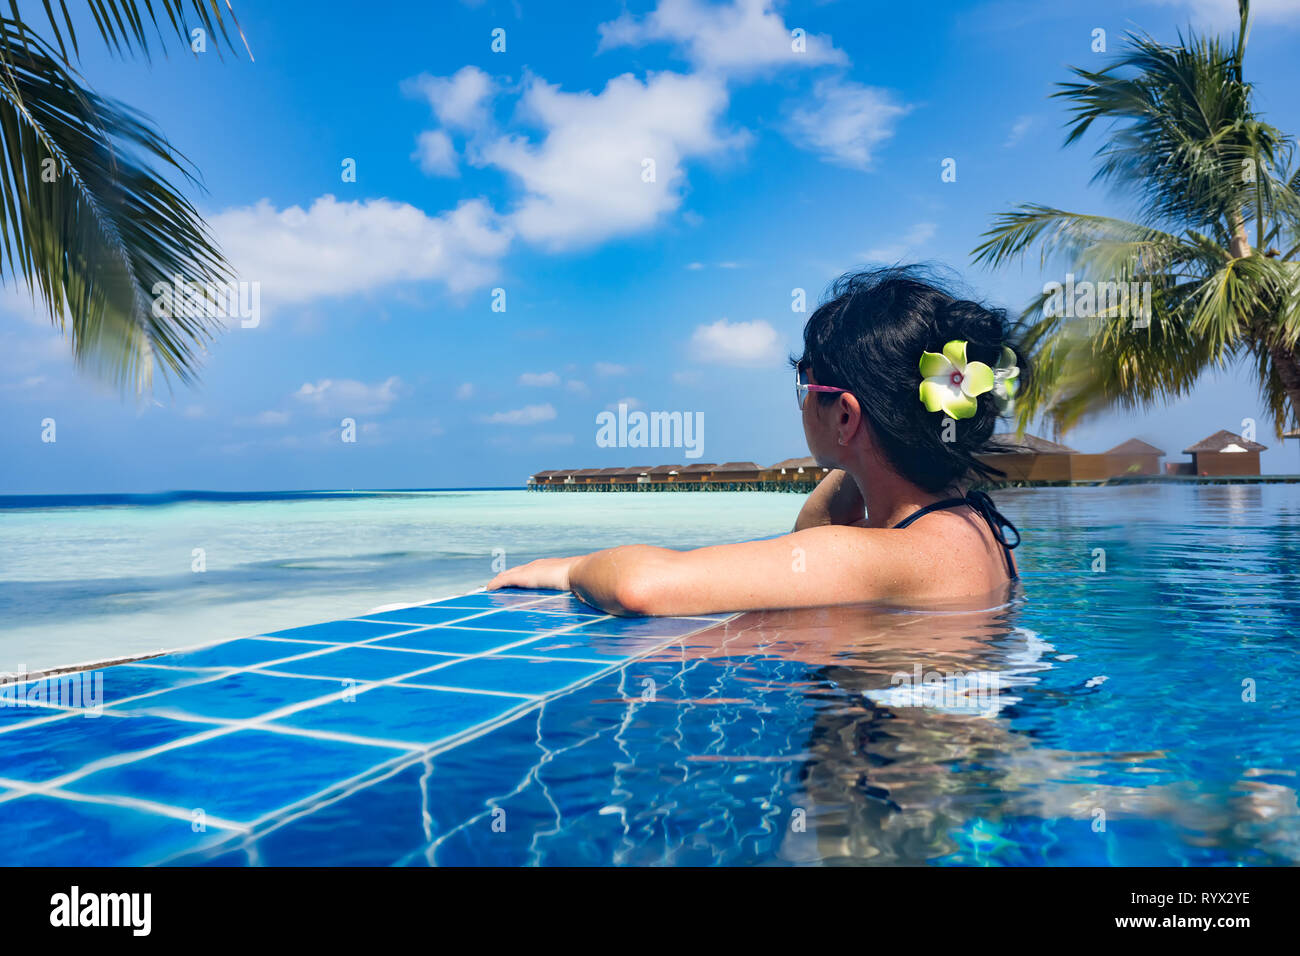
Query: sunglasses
802	387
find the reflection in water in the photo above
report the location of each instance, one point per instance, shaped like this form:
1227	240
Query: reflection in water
1136	710
914	754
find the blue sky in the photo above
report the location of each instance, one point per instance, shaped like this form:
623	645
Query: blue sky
522	171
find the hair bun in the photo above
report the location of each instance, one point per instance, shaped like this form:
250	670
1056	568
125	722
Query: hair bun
978	324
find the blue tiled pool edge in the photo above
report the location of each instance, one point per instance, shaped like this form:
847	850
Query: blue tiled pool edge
215	718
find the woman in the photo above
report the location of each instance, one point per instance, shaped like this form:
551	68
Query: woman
900	385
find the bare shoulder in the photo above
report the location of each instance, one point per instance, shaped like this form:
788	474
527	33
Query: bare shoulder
944	554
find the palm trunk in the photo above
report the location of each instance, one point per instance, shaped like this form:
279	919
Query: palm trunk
1239	247
1287	363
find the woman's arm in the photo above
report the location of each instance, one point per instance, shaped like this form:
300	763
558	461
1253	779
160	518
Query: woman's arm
835	500
809	568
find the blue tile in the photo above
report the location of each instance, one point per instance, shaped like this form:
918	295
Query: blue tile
642	627
46	831
516	675
411	714
130	680
362	663
12	714
576	644
88	690
340	632
49	750
531	622
425	615
236	697
22	701
239	776
241	653
489	599
569	603
453	640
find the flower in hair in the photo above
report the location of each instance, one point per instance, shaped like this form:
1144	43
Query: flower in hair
950	383
1006	379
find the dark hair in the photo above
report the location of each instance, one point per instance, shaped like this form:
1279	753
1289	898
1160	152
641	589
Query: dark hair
868	338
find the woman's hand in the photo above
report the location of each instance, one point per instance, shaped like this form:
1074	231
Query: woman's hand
835	500
542	573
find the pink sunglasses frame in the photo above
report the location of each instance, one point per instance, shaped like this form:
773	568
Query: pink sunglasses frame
801	388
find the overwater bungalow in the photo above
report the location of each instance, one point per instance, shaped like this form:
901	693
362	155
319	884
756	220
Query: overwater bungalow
1224	453
663	473
1026	459
737	471
697	472
637	474
1030	458
797	469
1134	457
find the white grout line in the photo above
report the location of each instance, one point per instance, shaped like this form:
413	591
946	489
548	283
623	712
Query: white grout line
223	726
117	800
232	726
284	815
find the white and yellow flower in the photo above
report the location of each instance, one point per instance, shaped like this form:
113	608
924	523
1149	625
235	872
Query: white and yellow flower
1006	379
951	384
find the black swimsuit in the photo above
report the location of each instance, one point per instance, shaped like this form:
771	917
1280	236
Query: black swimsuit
983	504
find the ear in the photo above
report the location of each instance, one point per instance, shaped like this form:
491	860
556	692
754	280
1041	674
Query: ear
848	417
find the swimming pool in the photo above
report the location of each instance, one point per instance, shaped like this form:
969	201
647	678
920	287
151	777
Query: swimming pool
1136	706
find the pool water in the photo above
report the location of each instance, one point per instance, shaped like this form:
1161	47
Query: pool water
1135	704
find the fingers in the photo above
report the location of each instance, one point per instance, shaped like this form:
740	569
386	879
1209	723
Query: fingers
516	577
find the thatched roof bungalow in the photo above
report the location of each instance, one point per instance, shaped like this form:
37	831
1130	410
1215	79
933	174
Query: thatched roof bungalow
1225	453
1030	458
1134	457
737	471
700	471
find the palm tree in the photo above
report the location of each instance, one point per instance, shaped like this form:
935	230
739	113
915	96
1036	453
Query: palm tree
1217	239
88	220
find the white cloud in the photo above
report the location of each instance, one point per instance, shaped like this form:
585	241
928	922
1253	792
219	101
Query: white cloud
630	402
342	248
586	180
575	386
348	396
435	153
914	238
464	391
271	417
460	101
30	383
539	379
528	415
845	121
741	37
735	343
607	369
1018	130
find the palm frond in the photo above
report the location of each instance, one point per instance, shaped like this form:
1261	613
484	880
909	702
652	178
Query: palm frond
90	225
124	26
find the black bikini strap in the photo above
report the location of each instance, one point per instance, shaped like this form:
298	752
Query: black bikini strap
981	502
935	506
